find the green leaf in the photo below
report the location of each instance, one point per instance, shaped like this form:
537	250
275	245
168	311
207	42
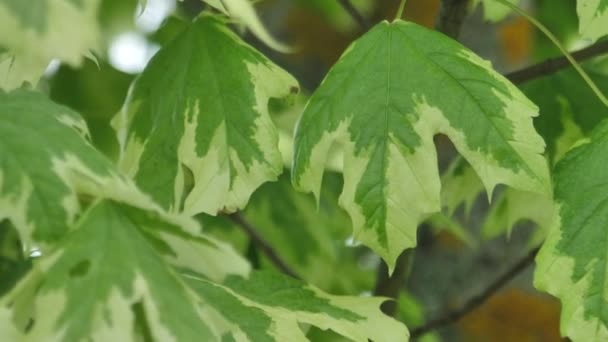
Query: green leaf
36	32
79	89
270	307
567	108
243	11
115	260
460	185
8	332
110	280
513	206
303	234
390	93
572	264
14	72
593	16
46	163
195	131
493	10
13	261
335	15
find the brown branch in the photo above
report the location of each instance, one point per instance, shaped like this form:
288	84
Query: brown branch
354	13
391	286
262	244
556	64
451	17
476	301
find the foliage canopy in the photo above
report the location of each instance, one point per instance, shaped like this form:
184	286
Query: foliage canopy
172	217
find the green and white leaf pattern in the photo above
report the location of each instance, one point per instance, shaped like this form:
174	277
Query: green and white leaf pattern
46	161
460	185
195	131
110	280
593	18
36	32
274	305
567	109
513	206
15	72
304	234
113	261
572	264
243	11
385	99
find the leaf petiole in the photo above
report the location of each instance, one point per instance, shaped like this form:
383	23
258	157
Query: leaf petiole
400	10
564	51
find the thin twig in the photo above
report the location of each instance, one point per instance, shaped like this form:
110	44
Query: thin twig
354	13
556	64
262	244
475	302
451	17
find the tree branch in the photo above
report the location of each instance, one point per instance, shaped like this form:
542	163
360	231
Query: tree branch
262	244
476	301
556	64
354	13
451	17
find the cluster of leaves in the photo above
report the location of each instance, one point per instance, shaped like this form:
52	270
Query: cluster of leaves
123	255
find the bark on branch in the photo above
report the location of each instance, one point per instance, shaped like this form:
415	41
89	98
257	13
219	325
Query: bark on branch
553	65
478	300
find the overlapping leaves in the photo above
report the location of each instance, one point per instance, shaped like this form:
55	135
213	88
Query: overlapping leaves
462	186
243	11
124	269
303	234
195	131
36	32
280	303
114	278
572	263
592	15
114	260
568	110
46	163
386	98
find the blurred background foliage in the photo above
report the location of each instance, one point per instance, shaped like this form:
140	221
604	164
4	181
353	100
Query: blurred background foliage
459	252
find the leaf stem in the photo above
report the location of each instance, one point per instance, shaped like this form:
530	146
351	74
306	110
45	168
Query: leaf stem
557	43
400	10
